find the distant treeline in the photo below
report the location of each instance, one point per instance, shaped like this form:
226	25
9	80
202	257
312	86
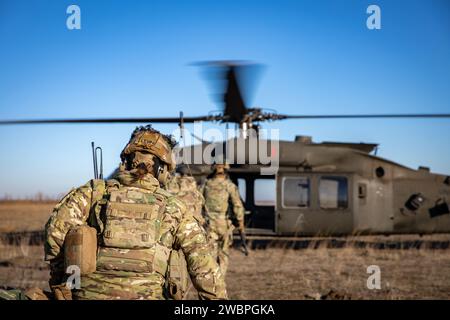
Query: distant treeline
38	197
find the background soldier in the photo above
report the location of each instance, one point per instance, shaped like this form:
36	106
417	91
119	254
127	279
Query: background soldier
185	188
137	223
219	193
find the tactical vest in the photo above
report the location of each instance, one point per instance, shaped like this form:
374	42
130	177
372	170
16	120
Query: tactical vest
216	195
128	220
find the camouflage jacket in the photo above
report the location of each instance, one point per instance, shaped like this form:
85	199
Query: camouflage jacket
219	191
120	277
185	188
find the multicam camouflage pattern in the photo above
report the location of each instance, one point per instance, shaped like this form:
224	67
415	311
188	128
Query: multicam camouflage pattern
139	226
28	294
186	189
177	280
12	294
219	192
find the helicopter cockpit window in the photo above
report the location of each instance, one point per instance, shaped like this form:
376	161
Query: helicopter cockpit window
296	192
264	192
333	193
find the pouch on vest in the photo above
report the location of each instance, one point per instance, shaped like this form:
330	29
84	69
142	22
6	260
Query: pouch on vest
177	279
154	259
80	249
132	225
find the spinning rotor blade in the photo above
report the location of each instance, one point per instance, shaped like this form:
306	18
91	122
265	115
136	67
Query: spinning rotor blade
110	120
363	116
235	107
236	81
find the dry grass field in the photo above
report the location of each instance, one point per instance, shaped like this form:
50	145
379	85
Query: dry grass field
24	215
273	273
339	274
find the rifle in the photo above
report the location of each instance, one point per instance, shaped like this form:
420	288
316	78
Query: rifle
244	247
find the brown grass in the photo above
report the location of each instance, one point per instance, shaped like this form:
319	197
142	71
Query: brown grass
274	273
300	274
24	215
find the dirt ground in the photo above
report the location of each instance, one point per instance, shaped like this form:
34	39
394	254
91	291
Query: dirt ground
273	273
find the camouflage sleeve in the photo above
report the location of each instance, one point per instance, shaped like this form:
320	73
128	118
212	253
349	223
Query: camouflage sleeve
203	268
71	211
238	207
201	202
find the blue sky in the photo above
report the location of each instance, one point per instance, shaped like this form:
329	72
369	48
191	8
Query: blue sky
131	58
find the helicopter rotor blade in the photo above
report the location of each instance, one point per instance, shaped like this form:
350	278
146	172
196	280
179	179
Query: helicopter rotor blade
235	81
110	120
234	105
363	116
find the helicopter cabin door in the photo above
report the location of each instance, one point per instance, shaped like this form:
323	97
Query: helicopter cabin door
258	193
314	203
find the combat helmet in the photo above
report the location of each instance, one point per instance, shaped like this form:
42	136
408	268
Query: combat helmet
221	167
148	140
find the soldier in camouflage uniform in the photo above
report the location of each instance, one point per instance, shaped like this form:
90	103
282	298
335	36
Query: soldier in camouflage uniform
186	189
219	193
138	225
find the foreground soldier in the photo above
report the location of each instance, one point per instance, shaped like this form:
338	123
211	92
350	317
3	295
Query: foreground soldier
219	193
137	224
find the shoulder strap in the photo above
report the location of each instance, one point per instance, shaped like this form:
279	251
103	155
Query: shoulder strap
98	189
97	198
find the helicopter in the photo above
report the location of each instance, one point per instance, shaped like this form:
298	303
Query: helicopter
327	188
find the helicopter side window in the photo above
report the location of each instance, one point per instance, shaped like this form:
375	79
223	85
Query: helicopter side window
296	192
333	193
264	192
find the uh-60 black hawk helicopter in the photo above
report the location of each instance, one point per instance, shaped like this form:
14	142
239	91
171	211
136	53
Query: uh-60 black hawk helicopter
323	188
